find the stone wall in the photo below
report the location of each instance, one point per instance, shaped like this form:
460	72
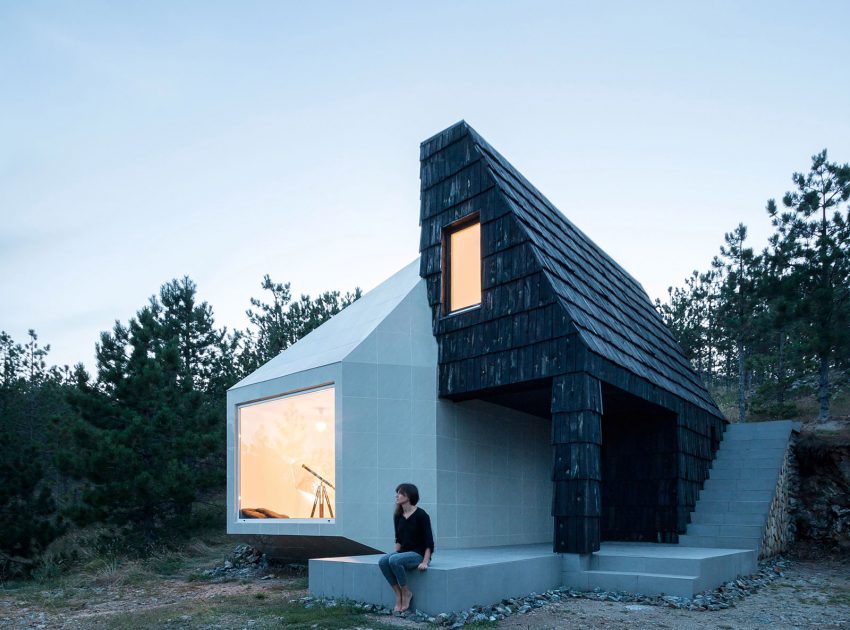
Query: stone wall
780	529
822	509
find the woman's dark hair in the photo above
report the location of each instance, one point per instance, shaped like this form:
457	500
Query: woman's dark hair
410	491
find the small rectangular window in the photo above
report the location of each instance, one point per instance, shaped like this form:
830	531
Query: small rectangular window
463	260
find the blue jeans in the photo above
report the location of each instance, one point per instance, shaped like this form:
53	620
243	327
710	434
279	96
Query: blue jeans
393	566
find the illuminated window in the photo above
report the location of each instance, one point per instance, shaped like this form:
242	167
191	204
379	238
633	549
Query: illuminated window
286	457
463	259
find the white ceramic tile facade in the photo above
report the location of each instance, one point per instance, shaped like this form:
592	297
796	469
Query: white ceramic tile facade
493	476
482	470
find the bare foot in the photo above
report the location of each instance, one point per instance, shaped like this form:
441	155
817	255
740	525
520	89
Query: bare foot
397	591
406	596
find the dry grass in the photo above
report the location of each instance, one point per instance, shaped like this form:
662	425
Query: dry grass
806	403
240	611
162	590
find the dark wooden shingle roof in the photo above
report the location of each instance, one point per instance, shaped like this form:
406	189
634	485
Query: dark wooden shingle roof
609	308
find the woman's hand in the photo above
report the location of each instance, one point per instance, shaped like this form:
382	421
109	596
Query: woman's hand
423	566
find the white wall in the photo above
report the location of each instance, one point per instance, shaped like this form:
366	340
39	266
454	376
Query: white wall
389	394
483	470
385	427
494	469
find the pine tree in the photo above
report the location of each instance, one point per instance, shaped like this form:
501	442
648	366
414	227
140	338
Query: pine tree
192	326
280	323
815	231
777	326
739	298
30	397
149	438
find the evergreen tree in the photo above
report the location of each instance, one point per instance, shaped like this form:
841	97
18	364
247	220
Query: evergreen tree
11	354
691	314
280	323
192	326
739	300
779	352
149	438
30	397
228	364
815	231
766	320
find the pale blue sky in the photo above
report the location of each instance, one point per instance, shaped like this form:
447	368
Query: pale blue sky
141	141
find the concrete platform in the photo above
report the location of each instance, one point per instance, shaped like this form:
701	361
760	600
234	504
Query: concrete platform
460	578
455	580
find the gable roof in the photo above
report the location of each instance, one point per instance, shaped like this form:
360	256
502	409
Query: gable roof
608	307
341	334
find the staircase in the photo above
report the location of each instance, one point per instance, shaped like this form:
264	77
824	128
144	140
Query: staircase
726	530
734	504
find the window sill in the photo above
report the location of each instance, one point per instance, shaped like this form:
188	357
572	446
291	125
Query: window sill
461	311
291	521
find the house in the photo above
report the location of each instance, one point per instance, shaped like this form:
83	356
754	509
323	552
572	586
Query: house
514	372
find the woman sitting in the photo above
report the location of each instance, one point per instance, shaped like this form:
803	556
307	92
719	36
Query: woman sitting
414	544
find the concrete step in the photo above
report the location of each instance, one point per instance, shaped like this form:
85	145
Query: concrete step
646	583
670	564
725	460
761	482
743	472
742	463
748	444
760	428
764	431
725	529
754	443
735	506
727	518
734	453
720	542
657	568
736	495
738	438
666	560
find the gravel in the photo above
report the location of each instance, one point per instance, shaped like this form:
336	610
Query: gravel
725	596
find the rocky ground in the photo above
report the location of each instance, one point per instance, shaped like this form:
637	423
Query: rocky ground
810	589
807	595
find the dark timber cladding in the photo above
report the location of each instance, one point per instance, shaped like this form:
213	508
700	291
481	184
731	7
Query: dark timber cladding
576	441
556	310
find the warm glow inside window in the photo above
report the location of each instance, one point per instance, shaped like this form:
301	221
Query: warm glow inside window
464	258
286	457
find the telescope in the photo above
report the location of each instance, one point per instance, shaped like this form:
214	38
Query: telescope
321	498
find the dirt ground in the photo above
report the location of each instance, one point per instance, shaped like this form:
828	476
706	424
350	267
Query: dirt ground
813	593
810	595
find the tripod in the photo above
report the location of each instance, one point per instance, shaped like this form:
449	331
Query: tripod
322	499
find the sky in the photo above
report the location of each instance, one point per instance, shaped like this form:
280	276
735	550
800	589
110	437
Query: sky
145	141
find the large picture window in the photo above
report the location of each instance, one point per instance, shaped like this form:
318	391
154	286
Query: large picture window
463	266
286	456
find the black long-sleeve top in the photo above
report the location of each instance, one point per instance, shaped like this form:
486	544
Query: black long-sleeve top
414	532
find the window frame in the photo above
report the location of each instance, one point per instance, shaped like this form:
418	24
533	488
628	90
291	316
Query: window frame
445	264
237	480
